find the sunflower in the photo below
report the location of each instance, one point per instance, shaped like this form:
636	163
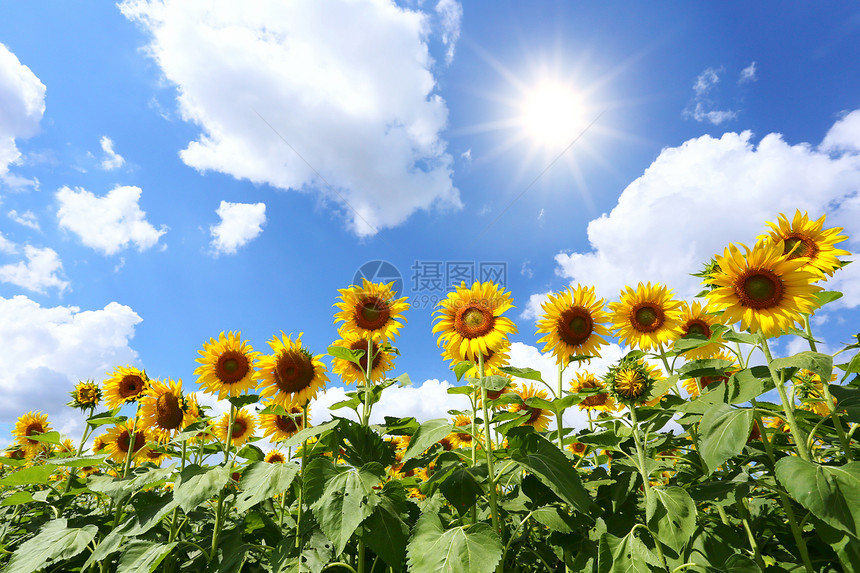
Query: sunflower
461	437
86	394
124	385
244	426
705	381
227	366
696	319
603	401
282	427
810	390
401	443
471	321
807	239
27	425
577	448
538	418
763	289
118	440
493	360
99	443
630	381
162	410
573	324
496	394
194	415
647	317
292	375
275	457
370	310
154	455
67	446
351	372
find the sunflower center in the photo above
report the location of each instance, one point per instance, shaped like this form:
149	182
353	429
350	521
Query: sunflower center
124	440
168	413
646	317
34	428
362	345
579	447
575	326
595	400
293	371
760	289
232	366
239	429
373	313
130	385
286	424
796	246
630	383
697	326
534	414
473	320
276	459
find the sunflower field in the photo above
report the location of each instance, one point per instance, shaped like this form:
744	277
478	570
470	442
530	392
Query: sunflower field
702	452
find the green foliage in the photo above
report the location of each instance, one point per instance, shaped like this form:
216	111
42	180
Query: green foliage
471	548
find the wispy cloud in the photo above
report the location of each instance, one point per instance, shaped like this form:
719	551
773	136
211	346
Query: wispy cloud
112	159
27	218
703	107
748	74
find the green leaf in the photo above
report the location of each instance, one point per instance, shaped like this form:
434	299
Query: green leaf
625	555
853	367
699	368
361	445
143	556
399	426
536	454
461	489
742	337
723	433
821	364
81	462
823	297
252	453
847	399
196	484
555	518
109	417
749	383
427	434
671	514
527	373
242	401
385	531
493	383
31	475
468	549
17	498
310	433
461	369
316	474
262	480
460	390
347	500
831	493
149	509
342	353
690	342
47	438
55	542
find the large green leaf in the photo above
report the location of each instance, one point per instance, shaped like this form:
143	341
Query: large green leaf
427	434
143	556
32	475
625	555
537	455
723	433
196	484
527	373
310	433
467	549
347	499
385	531
149	509
261	480
461	489
55	542
831	493
821	364
362	445
671	514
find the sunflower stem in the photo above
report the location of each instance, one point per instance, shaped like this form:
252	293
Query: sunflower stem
559	421
73	471
488	449
301	483
643	471
796	432
216	529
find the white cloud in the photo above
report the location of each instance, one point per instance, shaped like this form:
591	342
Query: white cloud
108	223
45	351
38	273
706	80
533	308
451	13
748	74
359	108
240	224
702	104
844	135
22	104
27	218
7	246
696	198
112	160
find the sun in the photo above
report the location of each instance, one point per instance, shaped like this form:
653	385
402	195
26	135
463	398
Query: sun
551	114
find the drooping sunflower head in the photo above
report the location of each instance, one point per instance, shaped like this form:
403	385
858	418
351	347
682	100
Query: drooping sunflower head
573	323
810	390
538	418
631	380
275	457
227	366
244	426
85	395
762	288
162	411
279	427
349	372
118	440
691	386
292	375
67	446
802	238
155	455
370	310
124	385
493	360
697	319
603	401
470	320
30	424
646	317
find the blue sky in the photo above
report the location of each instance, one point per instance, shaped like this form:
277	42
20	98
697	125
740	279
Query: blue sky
169	171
